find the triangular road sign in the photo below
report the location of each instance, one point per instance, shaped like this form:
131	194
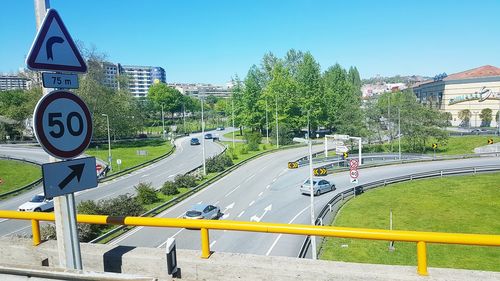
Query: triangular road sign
53	48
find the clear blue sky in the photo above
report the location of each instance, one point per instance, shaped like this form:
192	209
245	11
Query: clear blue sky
210	41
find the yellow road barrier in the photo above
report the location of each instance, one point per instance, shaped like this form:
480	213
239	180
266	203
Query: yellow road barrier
419	237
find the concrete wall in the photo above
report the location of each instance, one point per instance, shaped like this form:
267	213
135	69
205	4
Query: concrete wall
220	266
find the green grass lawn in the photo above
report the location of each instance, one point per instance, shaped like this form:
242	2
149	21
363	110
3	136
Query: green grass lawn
463	204
237	135
15	174
465	144
242	154
127	152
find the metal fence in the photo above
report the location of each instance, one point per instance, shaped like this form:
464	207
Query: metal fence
329	211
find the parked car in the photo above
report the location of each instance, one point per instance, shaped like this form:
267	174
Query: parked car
39	203
203	211
208	136
195	141
319	186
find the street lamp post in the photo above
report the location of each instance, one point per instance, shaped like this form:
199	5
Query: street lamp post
232	109
109	143
267	125
277	138
399	131
203	137
311	191
163	122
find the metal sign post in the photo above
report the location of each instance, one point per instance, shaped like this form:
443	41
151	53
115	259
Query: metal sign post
62	131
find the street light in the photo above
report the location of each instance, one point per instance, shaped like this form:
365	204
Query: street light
311	191
109	143
203	137
399	131
277	138
232	116
163	121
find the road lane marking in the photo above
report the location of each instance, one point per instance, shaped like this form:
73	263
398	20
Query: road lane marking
225	216
274	179
232	191
125	236
249	178
212	244
251	203
268	186
262	192
3	220
21	229
163	244
279	236
241	214
143	176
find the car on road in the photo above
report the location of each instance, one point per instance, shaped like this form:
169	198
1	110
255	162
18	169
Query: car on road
221	128
319	186
39	203
208	136
203	211
195	141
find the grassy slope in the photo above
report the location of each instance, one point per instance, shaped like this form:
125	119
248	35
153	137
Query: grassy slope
15	174
127	152
465	204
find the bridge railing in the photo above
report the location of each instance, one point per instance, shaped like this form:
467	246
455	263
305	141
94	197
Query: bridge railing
420	238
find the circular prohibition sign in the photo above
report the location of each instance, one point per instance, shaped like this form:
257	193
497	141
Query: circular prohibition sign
62	124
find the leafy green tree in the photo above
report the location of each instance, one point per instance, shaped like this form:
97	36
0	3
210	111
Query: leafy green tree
17	106
486	116
146	194
465	116
310	90
162	95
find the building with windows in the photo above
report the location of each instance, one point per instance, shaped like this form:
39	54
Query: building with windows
474	90
13	82
199	89
140	78
111	72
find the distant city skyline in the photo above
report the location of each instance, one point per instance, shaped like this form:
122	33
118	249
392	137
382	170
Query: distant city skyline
211	41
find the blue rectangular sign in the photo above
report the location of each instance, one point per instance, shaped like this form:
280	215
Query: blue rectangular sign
65	177
59	80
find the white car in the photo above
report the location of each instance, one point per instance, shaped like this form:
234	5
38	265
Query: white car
37	204
319	186
203	211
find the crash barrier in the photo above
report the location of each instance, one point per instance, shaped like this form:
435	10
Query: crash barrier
420	238
329	211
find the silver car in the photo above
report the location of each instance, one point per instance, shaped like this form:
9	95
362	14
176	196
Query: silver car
319	186
203	211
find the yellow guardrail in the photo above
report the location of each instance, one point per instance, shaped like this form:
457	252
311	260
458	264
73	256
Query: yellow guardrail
421	238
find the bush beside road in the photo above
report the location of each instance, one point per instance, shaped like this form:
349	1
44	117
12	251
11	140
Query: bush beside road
465	204
15	174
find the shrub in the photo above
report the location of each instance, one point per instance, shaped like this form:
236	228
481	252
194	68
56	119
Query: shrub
232	153
185	181
243	150
218	163
169	188
146	194
89	207
121	206
48	232
253	140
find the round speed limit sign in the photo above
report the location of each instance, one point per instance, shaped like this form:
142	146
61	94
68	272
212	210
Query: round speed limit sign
63	125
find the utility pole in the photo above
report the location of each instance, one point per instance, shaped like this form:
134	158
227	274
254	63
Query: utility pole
68	245
277	138
311	190
184	117
163	121
389	121
232	108
267	125
399	131
203	137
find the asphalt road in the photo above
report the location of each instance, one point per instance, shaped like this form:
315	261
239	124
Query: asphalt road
185	158
265	190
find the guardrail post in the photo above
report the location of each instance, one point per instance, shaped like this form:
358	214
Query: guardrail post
441	173
330	205
474	170
205	244
35	229
422	258
342	196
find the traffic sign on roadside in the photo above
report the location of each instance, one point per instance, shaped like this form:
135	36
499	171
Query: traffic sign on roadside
59	80
434	145
354	174
293	165
54	49
353	164
62	124
341	137
65	177
320	172
490	141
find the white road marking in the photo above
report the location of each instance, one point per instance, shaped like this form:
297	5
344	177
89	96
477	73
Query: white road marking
279	236
266	209
225	216
232	191
251	203
241	214
4	220
171	176
216	202
18	230
230	206
124	236
199	202
268	186
274	179
249	178
262	192
163	244
143	176
212	244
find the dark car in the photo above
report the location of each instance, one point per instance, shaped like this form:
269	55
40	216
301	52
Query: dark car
208	136
195	141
